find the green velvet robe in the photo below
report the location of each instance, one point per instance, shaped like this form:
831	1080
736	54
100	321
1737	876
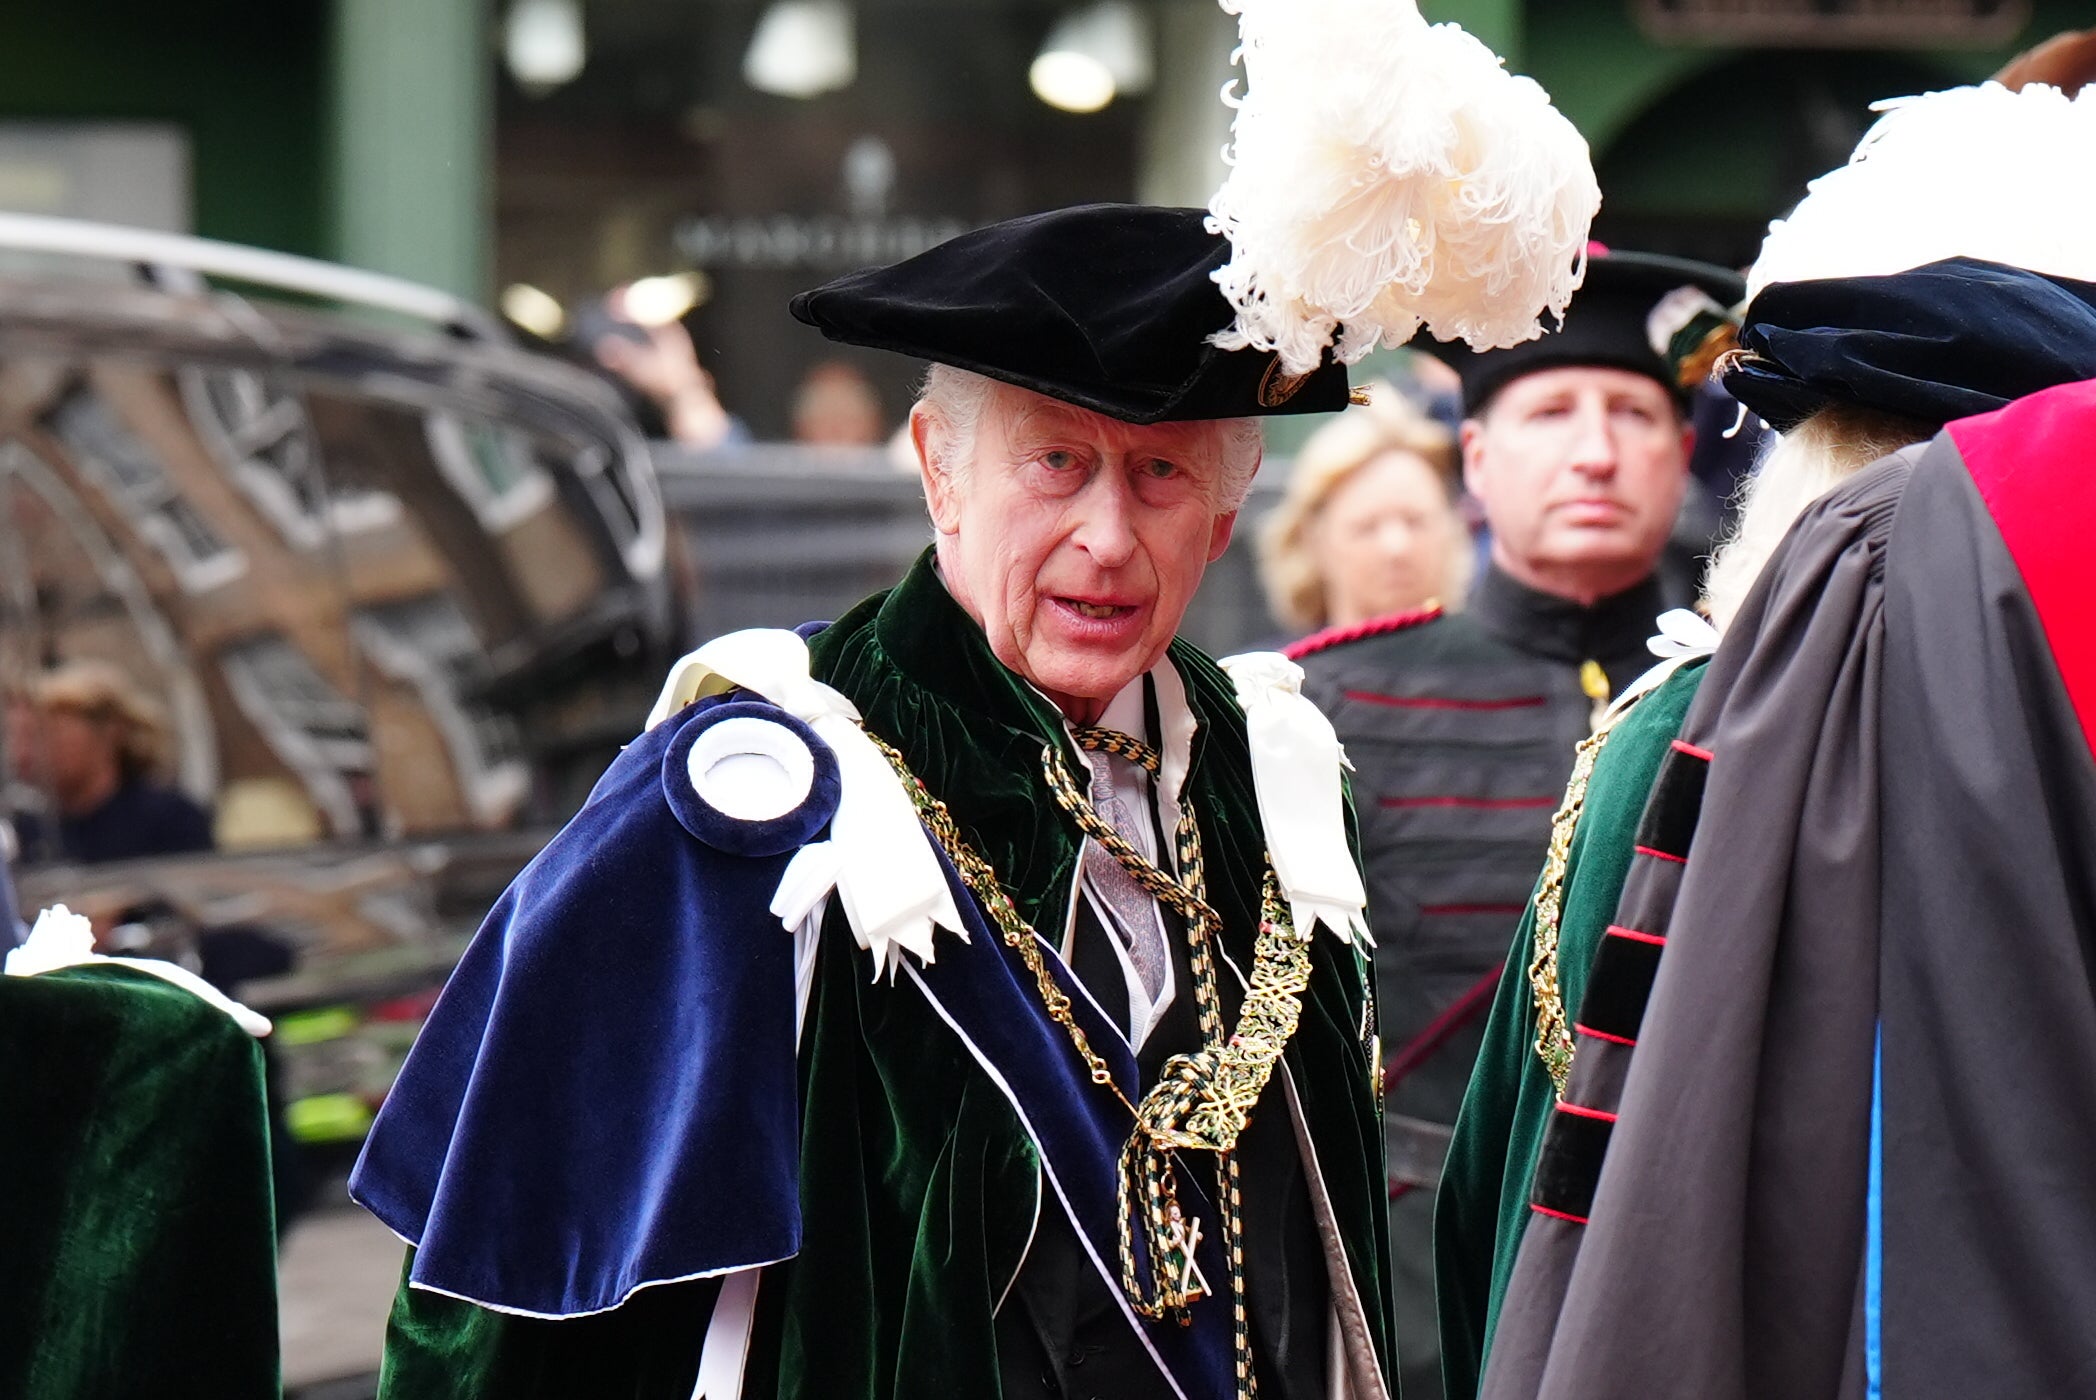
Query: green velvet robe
137	1236
919	1185
1482	1207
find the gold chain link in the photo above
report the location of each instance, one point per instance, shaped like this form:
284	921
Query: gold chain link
1120	745
1553	1028
976	874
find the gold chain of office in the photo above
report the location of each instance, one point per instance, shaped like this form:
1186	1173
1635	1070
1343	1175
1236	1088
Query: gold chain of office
1554	1045
1201	1101
1553	1028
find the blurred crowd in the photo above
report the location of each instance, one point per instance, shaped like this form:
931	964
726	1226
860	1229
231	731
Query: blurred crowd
655	366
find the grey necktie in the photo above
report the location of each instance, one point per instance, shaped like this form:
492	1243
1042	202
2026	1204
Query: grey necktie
1133	912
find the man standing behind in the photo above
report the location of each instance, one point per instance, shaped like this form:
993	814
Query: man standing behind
1461	727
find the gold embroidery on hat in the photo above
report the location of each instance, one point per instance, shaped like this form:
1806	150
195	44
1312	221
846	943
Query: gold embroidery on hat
1276	388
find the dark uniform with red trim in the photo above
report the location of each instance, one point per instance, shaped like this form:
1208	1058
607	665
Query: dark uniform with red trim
1461	729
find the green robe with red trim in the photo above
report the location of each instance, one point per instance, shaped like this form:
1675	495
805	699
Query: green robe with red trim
1847	1153
1483	1204
1461	730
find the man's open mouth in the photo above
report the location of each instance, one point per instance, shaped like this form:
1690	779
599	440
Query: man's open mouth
1101	611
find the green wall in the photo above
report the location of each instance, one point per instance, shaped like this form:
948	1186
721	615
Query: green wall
410	140
1698	145
347	129
244	78
1604	73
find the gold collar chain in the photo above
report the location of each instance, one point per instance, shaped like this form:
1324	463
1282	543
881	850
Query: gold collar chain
1553	1026
1201	1101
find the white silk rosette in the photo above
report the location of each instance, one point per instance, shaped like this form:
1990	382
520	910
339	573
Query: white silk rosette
877	859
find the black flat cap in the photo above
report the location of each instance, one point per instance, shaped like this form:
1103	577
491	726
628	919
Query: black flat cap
1607	324
1934	343
1106	306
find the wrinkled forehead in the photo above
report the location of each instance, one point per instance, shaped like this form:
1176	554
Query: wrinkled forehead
1031	419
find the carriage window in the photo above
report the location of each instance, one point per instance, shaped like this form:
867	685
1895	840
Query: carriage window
428	644
111	752
128	472
491	466
258	429
314	729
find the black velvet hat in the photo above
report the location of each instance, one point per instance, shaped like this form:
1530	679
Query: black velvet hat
1935	343
1106	306
1607	324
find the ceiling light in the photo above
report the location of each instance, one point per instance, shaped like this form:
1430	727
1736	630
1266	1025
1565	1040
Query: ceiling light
534	310
657	301
1092	56
802	48
542	42
1071	81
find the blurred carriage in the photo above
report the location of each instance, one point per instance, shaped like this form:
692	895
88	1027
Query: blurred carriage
401	586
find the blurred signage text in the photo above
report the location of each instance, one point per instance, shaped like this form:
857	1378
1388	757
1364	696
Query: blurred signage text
135	173
1837	23
800	241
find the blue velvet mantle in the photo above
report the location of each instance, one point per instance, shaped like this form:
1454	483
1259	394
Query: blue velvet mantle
603	1098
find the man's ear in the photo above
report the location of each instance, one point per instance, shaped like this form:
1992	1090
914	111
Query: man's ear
1688	444
1219	535
939	494
1471	440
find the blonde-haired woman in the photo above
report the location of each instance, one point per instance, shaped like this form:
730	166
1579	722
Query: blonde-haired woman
87	733
1368	526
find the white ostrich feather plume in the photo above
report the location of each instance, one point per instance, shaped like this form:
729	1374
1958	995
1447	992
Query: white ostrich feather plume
1387	174
1974	172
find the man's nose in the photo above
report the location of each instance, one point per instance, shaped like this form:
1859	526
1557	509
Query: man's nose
1106	529
1593	444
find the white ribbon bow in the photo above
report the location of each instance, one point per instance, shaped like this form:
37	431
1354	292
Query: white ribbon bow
64	939
1296	760
878	858
1682	633
1683	637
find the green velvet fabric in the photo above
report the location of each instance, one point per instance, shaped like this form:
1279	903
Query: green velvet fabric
137	1240
1482	1207
919	1186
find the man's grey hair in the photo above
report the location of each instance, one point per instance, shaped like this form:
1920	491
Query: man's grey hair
957	398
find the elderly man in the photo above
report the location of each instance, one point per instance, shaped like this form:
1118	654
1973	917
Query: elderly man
1461	726
671	1125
